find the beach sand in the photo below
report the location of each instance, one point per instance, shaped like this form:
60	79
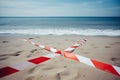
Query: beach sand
105	49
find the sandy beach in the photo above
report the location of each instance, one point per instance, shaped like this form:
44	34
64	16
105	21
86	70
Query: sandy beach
104	49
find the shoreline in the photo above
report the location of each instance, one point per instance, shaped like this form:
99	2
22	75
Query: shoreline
104	49
35	35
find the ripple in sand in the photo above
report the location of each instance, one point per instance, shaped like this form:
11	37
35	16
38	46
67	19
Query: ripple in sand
85	52
95	47
112	44
117	42
31	78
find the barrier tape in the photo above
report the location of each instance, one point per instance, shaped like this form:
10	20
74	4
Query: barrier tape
91	62
44	47
73	47
94	63
11	69
70	49
33	62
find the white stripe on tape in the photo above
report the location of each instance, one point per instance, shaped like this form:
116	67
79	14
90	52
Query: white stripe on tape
69	49
32	43
41	46
52	55
76	45
117	69
53	50
22	65
85	60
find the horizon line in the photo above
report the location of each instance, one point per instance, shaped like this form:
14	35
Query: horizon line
59	16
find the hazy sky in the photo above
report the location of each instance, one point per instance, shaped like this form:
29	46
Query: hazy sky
59	7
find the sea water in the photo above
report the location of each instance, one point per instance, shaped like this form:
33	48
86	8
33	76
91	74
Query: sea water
85	26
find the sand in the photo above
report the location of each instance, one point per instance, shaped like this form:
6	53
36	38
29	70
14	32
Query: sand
105	49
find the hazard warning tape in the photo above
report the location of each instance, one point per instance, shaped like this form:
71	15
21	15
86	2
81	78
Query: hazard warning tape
44	47
73	47
94	63
91	62
13	68
70	49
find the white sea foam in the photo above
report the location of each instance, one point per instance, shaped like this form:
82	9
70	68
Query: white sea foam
86	32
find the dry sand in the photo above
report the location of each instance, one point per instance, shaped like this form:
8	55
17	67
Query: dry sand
105	49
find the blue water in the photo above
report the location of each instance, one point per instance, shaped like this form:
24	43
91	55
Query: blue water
88	26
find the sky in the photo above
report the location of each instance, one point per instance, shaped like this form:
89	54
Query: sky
60	8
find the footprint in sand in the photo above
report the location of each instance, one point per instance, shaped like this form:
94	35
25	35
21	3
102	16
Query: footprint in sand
32	51
4	41
85	52
30	38
17	53
3	58
58	76
6	56
94	46
114	59
107	46
30	78
65	66
52	71
112	44
66	40
117	42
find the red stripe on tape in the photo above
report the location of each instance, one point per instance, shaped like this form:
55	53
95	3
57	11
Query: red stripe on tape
6	71
105	67
37	44
58	52
70	56
74	46
47	48
39	60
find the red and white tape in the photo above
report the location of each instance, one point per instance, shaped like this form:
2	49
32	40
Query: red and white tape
73	47
11	69
91	62
44	47
94	63
33	62
70	49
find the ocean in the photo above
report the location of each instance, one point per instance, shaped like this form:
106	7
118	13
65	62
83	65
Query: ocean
84	26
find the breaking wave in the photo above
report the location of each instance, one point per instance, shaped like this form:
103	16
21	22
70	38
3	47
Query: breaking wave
86	32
